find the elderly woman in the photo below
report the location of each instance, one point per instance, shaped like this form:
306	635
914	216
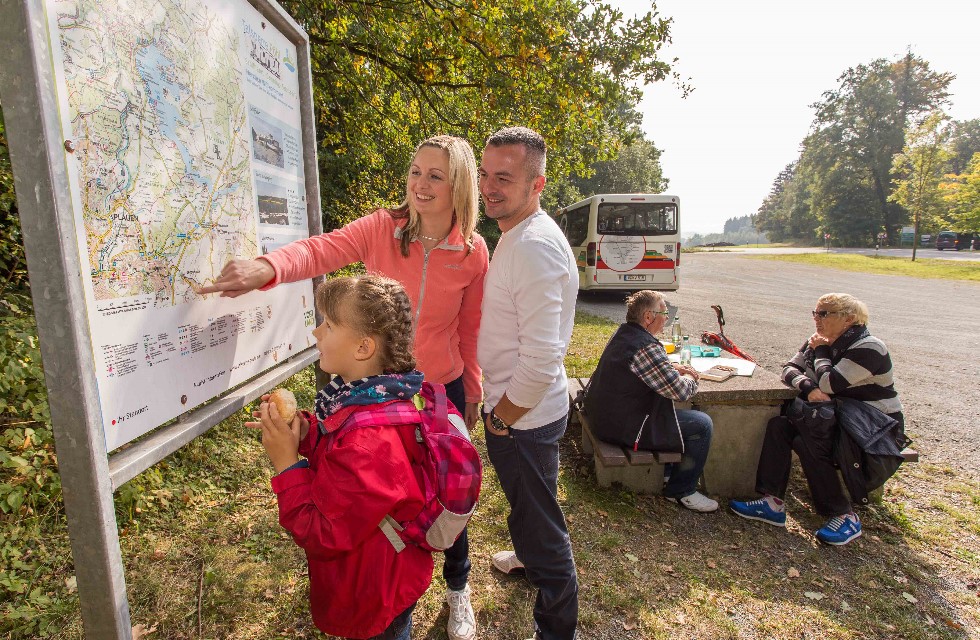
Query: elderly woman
841	360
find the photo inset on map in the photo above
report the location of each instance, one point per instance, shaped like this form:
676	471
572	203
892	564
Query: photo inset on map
267	142
273	203
268	244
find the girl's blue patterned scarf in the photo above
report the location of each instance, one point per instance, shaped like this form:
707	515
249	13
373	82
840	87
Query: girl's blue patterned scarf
371	390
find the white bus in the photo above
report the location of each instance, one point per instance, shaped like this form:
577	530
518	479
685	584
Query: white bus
625	241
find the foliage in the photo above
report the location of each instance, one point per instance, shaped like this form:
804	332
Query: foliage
741	236
636	169
843	182
964	143
962	193
387	74
918	171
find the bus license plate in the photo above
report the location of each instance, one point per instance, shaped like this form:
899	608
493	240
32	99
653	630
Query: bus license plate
629	278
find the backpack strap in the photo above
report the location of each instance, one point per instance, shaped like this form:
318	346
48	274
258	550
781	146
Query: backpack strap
390	527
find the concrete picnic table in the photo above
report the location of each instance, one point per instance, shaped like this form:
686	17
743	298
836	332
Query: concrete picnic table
739	407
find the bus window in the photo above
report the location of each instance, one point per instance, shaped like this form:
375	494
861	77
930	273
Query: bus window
637	219
578	225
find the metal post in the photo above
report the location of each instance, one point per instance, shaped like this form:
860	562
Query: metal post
48	226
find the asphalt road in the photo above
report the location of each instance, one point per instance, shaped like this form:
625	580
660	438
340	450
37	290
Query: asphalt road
921	252
931	327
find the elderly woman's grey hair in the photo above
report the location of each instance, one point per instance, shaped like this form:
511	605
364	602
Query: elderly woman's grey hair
847	305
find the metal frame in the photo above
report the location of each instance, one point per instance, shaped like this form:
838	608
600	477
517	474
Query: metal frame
89	476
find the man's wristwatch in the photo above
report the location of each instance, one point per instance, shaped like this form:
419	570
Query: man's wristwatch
497	423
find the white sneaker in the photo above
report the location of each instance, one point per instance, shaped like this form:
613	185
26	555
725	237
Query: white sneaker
507	562
697	502
462	622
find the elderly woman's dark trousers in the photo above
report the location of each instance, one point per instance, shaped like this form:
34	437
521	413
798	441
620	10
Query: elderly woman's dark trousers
815	448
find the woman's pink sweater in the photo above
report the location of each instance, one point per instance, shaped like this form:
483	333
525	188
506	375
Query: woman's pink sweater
445	286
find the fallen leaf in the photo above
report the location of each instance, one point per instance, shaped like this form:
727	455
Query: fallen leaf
814	595
872	584
929	620
159	554
952	624
141	631
71	584
908	596
668	568
901	579
712	564
845	607
681	618
673	544
792	572
604	514
628	626
632	558
269	594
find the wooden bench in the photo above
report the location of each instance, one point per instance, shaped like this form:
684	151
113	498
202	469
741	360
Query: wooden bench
640	471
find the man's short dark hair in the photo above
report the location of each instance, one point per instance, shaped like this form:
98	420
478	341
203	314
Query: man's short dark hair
537	150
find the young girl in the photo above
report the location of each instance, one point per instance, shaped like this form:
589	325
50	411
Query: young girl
333	501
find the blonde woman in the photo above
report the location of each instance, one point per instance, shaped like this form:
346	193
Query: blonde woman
429	245
840	360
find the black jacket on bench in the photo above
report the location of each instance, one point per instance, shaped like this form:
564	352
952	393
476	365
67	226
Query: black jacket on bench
621	407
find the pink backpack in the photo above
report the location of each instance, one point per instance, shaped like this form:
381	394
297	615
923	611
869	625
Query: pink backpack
451	469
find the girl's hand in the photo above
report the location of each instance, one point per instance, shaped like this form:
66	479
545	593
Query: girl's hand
281	440
470	414
818	396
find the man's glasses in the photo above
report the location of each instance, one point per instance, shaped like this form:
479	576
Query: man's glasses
661	313
824	314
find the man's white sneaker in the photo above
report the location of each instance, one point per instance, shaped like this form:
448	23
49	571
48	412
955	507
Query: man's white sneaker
507	562
697	502
462	622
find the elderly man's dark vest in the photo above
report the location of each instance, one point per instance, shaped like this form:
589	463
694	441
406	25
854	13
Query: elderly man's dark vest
621	407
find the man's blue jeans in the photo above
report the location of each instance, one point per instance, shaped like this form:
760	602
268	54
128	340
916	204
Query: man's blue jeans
696	429
526	462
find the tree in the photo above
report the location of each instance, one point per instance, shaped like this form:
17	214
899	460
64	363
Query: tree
964	142
388	73
635	169
858	129
918	171
962	193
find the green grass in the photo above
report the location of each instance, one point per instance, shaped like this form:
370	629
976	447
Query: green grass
889	265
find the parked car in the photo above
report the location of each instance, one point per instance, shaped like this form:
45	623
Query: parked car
954	240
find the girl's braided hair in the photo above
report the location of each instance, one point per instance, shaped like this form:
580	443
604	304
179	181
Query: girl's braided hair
376	306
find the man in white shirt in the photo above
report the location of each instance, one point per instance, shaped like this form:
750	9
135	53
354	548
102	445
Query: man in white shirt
528	315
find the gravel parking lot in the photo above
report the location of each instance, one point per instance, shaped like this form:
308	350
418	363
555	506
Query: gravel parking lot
931	327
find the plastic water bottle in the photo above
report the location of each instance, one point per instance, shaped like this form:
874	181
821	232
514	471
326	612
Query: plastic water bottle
676	334
686	353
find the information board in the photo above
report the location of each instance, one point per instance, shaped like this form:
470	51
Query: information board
183	145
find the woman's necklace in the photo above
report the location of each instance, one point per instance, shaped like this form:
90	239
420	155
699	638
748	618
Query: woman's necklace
432	239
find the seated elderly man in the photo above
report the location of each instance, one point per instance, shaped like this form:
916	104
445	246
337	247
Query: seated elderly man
631	397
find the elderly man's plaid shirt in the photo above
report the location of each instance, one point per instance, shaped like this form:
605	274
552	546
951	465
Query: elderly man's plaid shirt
651	365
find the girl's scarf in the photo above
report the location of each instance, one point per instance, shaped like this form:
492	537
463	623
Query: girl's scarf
366	391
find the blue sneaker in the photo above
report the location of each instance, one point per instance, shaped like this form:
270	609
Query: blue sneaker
840	530
760	510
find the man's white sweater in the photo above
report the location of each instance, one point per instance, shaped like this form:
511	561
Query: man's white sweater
528	315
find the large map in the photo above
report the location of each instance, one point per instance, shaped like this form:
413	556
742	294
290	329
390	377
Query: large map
183	139
155	94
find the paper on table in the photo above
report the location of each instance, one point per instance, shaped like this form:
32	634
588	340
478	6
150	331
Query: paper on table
742	367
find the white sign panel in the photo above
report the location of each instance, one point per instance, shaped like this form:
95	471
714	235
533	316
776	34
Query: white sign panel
181	121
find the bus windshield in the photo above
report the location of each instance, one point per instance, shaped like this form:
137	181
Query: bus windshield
637	219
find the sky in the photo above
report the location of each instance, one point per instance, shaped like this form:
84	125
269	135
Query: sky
758	65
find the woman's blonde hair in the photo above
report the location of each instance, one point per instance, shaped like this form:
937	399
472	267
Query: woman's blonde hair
376	306
462	180
845	304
